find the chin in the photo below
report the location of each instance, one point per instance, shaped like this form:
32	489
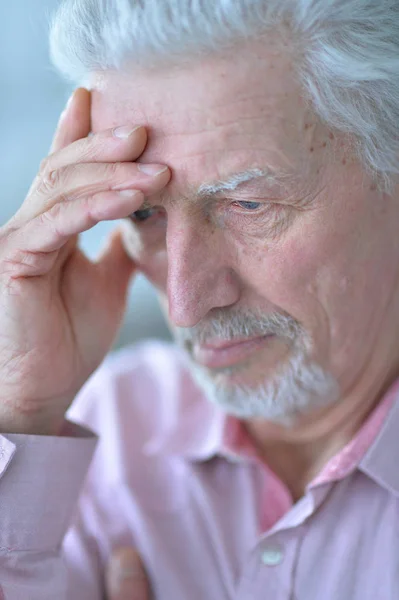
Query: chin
294	388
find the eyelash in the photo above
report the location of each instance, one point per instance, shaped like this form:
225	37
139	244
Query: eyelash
137	218
269	210
140	217
237	202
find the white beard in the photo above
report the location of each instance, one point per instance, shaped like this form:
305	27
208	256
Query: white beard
297	388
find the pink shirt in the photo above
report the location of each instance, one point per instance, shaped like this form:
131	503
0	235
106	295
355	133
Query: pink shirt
177	479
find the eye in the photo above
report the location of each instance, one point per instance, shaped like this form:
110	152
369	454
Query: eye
143	215
250	206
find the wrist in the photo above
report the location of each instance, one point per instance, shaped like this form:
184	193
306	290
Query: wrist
33	424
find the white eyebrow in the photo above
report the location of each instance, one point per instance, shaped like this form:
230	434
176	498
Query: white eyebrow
206	190
232	183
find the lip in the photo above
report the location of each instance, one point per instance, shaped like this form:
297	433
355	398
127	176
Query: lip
223	353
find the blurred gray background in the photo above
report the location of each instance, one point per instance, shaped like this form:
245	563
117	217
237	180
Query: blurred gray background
32	97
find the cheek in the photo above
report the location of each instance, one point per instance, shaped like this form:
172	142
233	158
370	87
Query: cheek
320	282
289	276
283	273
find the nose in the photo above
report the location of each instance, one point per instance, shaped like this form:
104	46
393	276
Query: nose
200	277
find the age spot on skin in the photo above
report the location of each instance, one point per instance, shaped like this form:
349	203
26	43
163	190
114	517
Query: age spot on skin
312	149
331	136
344	161
324	144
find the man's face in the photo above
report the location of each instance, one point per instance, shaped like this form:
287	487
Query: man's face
307	267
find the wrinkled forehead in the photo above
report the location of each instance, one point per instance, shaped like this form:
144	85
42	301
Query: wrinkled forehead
220	112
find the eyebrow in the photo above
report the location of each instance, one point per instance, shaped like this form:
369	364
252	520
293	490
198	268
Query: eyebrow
207	191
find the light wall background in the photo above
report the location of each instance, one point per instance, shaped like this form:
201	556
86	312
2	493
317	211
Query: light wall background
32	96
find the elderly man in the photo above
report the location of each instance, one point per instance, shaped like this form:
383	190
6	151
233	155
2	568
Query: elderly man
251	149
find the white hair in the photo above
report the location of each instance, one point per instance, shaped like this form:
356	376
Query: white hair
346	54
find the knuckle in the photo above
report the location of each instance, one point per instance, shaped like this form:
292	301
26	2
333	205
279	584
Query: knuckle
49	181
52	214
50	219
112	171
21	263
15	260
93	148
44	165
89	209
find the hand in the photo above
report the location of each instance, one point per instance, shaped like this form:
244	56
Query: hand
126	577
60	312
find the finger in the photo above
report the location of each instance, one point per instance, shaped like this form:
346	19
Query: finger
119	144
75	121
73	125
77	181
29	247
126	577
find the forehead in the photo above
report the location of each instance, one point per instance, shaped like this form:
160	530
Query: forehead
216	116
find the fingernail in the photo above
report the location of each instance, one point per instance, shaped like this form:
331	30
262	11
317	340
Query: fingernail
152	169
125	131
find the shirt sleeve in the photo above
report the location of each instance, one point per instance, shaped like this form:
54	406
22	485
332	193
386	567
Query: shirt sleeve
40	481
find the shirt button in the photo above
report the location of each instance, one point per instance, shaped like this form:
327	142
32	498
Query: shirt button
272	557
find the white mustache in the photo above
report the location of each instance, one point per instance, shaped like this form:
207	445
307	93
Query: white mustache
230	326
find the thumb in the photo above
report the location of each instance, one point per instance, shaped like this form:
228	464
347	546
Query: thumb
126	578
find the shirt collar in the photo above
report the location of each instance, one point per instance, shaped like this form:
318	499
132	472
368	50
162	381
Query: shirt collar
200	431
381	460
349	458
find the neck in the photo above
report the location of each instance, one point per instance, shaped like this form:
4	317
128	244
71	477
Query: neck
297	454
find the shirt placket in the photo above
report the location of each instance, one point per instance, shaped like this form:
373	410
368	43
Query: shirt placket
271	568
